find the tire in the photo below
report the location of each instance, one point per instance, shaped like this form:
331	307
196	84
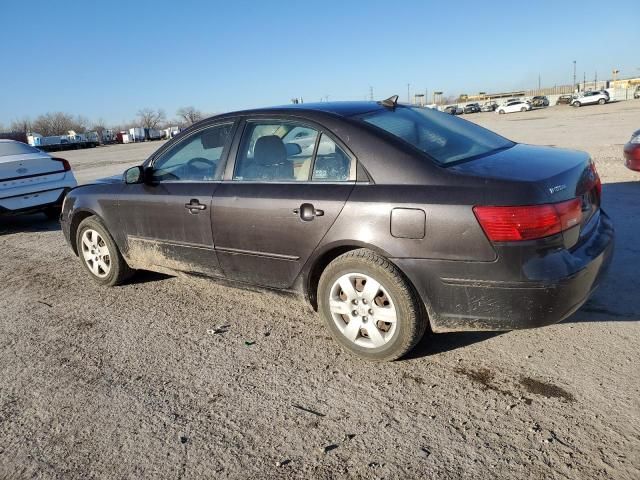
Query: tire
602	101
577	104
389	297
523	109
107	267
53	213
501	112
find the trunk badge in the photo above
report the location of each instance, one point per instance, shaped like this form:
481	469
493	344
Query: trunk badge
557	188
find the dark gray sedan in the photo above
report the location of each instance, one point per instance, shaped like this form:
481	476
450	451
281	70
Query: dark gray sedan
388	218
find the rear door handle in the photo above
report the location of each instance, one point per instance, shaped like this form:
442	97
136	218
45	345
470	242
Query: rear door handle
194	206
308	212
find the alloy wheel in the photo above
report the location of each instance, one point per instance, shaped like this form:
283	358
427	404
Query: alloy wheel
96	253
363	310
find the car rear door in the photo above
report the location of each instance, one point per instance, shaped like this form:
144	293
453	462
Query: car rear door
279	200
167	219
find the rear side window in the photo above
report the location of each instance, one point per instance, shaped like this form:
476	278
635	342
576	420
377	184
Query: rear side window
16	148
289	152
443	137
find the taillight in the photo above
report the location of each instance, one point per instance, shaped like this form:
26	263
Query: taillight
597	182
65	164
512	224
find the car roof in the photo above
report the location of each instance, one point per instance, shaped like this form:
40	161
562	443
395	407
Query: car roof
343	109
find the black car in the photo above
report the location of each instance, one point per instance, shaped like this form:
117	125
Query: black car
540	101
387	218
472	108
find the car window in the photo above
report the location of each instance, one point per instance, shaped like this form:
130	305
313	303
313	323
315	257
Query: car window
275	151
443	137
16	148
196	158
331	163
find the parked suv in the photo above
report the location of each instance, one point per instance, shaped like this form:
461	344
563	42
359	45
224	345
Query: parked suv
636	94
590	98
564	100
472	108
540	101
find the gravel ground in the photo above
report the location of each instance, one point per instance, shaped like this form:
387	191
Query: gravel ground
185	378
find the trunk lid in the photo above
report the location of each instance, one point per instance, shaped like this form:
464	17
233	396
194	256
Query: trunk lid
15	167
557	174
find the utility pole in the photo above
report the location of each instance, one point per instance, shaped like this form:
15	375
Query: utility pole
371	93
574	74
538	81
596	81
408	94
584	81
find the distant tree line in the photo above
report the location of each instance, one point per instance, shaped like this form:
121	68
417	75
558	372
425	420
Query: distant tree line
59	123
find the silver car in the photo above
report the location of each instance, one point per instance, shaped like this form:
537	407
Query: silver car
32	180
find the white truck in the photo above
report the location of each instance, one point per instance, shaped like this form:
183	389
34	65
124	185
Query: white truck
136	134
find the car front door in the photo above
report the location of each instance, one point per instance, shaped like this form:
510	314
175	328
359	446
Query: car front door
167	218
289	184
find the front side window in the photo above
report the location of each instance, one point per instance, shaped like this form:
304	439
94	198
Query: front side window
443	137
196	158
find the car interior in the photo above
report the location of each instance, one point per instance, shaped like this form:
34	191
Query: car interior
285	152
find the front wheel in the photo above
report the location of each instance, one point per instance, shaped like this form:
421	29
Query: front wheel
369	307
99	254
523	109
602	101
577	104
501	112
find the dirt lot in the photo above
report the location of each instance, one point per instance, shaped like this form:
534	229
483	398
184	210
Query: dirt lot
161	379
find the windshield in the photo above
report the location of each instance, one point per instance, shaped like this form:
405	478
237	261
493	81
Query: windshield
444	137
16	148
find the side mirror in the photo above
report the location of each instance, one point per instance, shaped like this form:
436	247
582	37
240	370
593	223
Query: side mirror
134	175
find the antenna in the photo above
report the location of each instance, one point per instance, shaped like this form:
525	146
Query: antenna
390	102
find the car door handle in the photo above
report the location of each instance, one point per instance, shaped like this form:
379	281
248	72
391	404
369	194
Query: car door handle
194	206
308	212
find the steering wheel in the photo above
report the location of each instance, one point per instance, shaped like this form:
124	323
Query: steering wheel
206	161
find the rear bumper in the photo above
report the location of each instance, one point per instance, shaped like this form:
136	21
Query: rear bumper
513	292
33	202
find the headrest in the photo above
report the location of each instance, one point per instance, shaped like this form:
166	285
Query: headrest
269	150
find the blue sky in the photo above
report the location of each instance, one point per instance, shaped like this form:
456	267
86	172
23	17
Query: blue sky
109	59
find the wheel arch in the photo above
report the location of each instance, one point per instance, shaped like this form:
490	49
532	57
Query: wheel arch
329	253
76	220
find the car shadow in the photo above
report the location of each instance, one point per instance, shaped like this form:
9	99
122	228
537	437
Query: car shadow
146	276
617	298
433	344
36	222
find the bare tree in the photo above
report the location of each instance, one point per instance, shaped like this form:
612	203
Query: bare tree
150	118
190	114
99	126
22	125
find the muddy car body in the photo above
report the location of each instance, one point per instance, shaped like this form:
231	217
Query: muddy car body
383	231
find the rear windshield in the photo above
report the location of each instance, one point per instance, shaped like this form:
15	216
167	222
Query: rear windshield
16	148
444	137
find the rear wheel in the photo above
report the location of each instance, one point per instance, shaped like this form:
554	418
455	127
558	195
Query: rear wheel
99	254
523	109
369	307
602	101
577	104
501	112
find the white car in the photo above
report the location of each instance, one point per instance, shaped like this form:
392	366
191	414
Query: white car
513	106
32	180
590	98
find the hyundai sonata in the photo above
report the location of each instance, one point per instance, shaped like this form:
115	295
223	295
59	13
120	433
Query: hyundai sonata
389	219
